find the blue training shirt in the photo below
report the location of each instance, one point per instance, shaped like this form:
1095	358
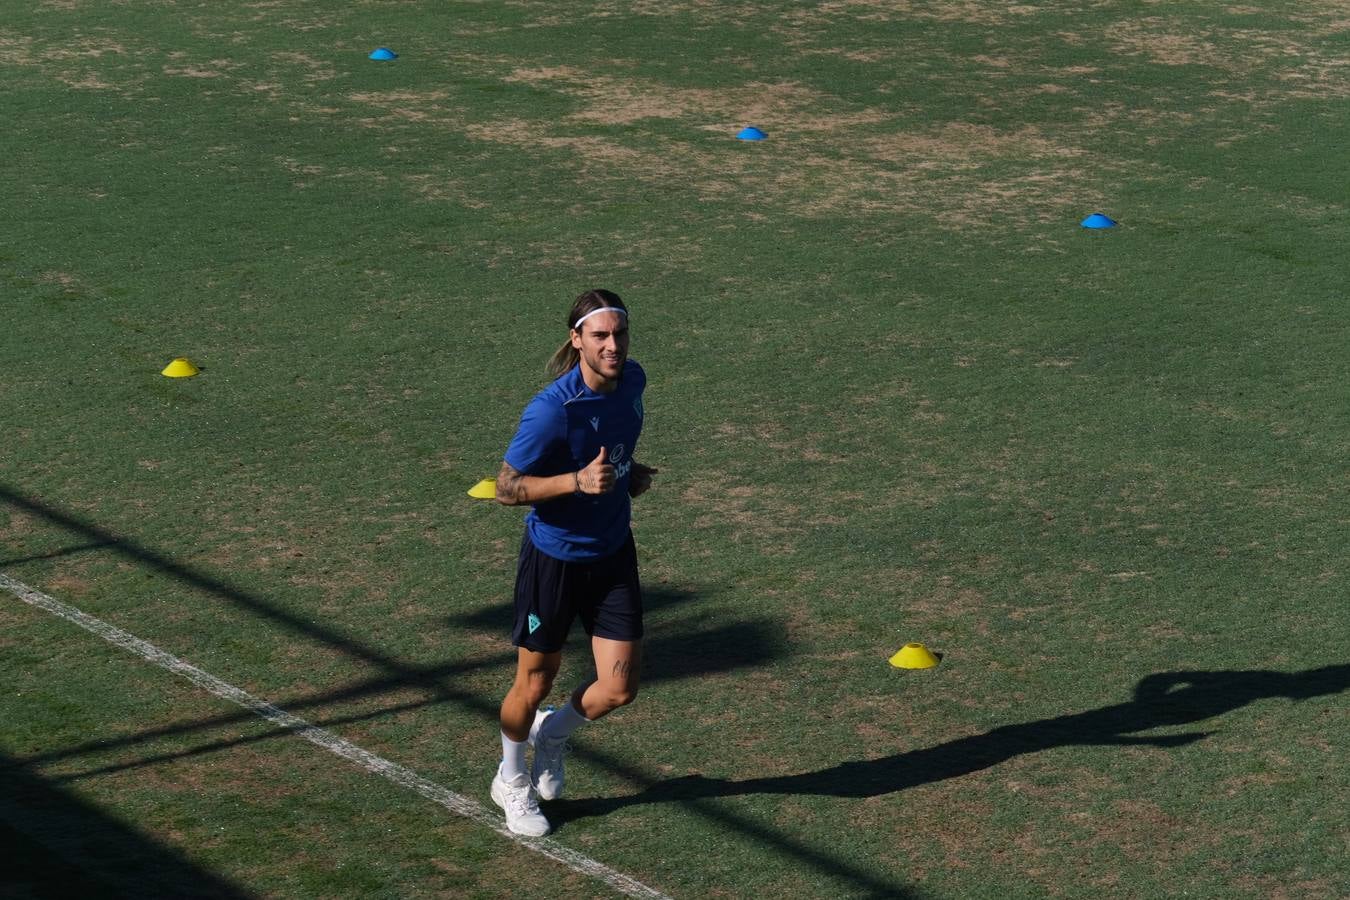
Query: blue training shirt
562	430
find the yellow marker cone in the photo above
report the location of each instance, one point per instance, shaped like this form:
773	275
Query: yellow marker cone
484	490
181	367
914	656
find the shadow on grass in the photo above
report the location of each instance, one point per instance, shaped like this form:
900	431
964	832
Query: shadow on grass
668	658
53	844
130	548
55	554
497	618
681	654
1167	699
670	651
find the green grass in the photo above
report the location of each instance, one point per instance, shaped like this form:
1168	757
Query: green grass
896	393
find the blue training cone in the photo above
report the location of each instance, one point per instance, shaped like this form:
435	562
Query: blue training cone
383	53
751	133
1097	220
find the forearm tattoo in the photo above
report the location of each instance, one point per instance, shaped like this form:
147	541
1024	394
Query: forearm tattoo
511	485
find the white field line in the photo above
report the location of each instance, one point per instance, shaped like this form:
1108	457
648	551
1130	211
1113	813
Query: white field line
460	805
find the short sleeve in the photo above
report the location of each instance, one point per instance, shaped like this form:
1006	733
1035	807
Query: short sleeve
543	427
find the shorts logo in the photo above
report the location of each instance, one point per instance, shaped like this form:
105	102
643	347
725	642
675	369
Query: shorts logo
534	623
616	454
637	407
595	423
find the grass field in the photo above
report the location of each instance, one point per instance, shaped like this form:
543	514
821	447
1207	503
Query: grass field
896	394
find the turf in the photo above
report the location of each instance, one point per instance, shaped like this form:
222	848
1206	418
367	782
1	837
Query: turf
896	393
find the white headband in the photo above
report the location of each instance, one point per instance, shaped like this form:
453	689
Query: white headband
614	309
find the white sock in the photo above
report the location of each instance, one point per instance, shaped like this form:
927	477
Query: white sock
513	757
563	722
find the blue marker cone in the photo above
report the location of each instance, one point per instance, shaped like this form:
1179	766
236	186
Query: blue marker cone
383	53
1097	220
751	133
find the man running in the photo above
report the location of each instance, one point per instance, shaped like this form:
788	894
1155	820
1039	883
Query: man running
572	460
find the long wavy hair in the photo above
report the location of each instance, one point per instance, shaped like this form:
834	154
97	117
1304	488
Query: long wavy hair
567	356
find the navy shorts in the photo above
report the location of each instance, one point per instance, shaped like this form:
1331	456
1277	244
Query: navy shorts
550	593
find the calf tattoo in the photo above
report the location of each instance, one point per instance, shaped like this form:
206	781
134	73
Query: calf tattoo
622	669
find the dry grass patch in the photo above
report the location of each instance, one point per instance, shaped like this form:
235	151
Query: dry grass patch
960	145
1273	887
824	178
782	106
69	62
592	153
316	69
972	12
701	11
825	156
749	512
86	81
215	68
1151	38
16	49
85	48
410	108
1302	71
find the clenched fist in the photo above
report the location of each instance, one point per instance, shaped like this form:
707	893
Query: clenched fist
640	479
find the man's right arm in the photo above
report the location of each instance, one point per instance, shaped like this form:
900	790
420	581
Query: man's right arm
515	488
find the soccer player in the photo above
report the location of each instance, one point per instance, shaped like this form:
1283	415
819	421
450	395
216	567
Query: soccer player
572	461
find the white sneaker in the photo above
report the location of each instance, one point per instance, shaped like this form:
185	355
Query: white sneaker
547	771
521	805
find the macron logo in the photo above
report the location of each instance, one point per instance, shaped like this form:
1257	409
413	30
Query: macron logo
595	423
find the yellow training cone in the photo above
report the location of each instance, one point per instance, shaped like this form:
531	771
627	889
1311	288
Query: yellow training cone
484	490
914	656
181	367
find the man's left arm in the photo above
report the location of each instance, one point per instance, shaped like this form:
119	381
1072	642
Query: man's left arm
640	479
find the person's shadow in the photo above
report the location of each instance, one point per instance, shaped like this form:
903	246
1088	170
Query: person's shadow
1164	699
